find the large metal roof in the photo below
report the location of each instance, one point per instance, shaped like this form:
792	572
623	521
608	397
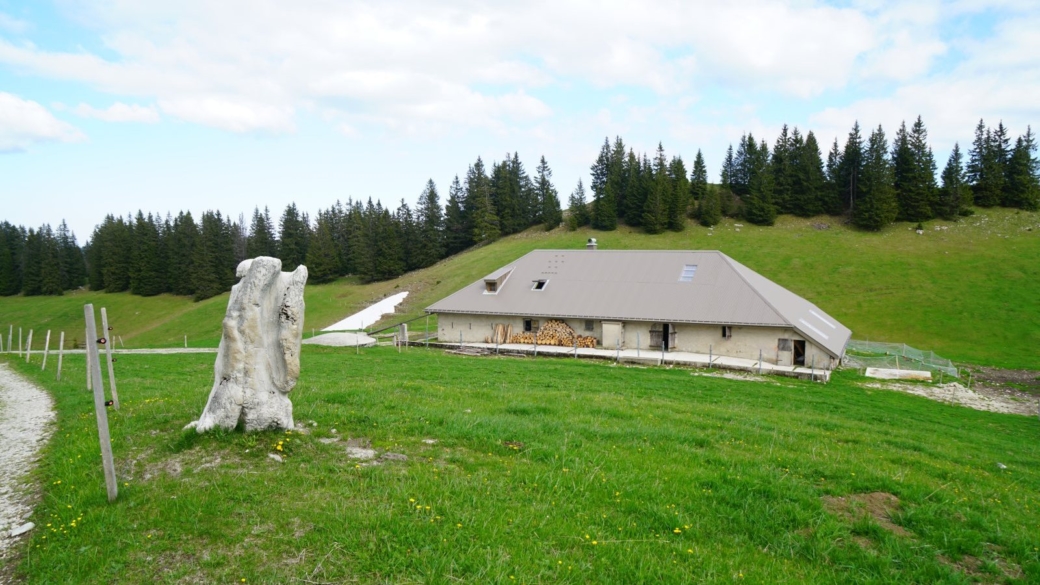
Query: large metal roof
644	285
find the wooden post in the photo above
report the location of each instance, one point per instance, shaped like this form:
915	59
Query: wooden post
709	355
575	347
86	353
427	331
46	349
185	342
2	344
121	342
617	350
637	344
19	341
99	405
760	362
10	333
814	367
404	333
28	347
61	353
357	343
108	358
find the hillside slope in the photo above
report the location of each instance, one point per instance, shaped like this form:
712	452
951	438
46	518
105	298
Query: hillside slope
967	290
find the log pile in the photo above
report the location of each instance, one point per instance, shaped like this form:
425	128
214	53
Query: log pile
501	334
554	333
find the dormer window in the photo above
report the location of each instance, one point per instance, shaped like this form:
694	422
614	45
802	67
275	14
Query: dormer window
490	286
539	285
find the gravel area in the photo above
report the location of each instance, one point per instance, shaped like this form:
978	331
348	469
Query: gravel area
979	398
26	417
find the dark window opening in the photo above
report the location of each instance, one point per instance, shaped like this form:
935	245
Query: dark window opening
491	286
528	325
799	352
590	326
783	344
727	331
539	284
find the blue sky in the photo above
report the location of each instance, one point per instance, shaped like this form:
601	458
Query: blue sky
111	106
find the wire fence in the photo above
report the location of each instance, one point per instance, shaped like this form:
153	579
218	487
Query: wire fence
898	356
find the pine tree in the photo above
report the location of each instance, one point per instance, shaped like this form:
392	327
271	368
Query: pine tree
115	242
809	190
322	253
506	198
458	233
698	183
914	173
655	210
261	240
31	260
73	266
678	201
954	196
551	215
408	235
213	261
877	205
483	217
850	170
387	251
617	179
430	222
1023	188
578	209
832	202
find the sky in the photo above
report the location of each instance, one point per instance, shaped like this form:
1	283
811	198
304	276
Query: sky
115	106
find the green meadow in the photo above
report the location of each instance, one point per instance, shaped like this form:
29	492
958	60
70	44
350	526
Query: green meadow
533	471
966	290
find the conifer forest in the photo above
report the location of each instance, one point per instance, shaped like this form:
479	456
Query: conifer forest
872	179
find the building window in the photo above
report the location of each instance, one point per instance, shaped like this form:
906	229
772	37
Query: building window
783	344
727	332
539	285
528	325
687	273
589	325
490	286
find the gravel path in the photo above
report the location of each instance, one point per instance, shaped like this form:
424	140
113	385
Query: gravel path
26	414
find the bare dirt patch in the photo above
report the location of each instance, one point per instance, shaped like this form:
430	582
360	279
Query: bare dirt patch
979	397
1014	383
876	505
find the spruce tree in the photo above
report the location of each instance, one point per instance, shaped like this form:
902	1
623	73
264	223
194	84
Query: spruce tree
877	205
116	243
850	170
782	167
759	208
914	173
261	240
31	260
292	241
954	195
578	209
604	203
635	190
655	210
551	215
709	208
483	217
148	267
430	220
679	196
213	260
617	178
458	231
387	250
50	262
698	183
408	235
809	185
180	253
832	201
322	253
505	197
1023	189
73	266
11	245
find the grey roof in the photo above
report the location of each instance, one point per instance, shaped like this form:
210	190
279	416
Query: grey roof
643	285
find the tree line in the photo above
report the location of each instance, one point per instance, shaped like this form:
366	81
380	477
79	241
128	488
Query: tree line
870	180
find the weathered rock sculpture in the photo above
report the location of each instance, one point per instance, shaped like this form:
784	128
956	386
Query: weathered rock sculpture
258	362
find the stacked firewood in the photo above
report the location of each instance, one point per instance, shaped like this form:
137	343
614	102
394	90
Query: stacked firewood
554	333
501	334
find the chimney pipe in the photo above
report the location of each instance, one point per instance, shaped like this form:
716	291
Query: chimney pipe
591	244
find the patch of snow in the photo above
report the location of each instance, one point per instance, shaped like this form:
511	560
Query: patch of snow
369	315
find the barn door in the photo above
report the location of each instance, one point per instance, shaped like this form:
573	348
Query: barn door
799	352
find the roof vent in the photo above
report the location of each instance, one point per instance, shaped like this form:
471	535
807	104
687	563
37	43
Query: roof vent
591	244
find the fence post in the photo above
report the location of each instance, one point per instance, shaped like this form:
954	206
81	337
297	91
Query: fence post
575	348
185	342
10	333
617	343
710	353
637	344
759	362
28	347
46	349
108	357
814	367
61	353
19	341
427	331
86	354
99	405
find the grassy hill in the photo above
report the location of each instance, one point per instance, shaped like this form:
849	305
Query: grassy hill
533	471
967	290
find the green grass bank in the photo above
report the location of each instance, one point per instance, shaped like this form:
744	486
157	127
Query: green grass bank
533	471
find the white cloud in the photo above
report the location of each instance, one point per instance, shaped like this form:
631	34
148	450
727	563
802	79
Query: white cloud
231	114
25	122
12	25
119	112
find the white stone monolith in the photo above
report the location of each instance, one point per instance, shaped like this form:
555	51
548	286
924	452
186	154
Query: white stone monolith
258	361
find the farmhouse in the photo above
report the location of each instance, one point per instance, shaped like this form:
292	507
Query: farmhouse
684	301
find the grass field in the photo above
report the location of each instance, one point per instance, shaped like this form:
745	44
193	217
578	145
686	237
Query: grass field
967	291
543	471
